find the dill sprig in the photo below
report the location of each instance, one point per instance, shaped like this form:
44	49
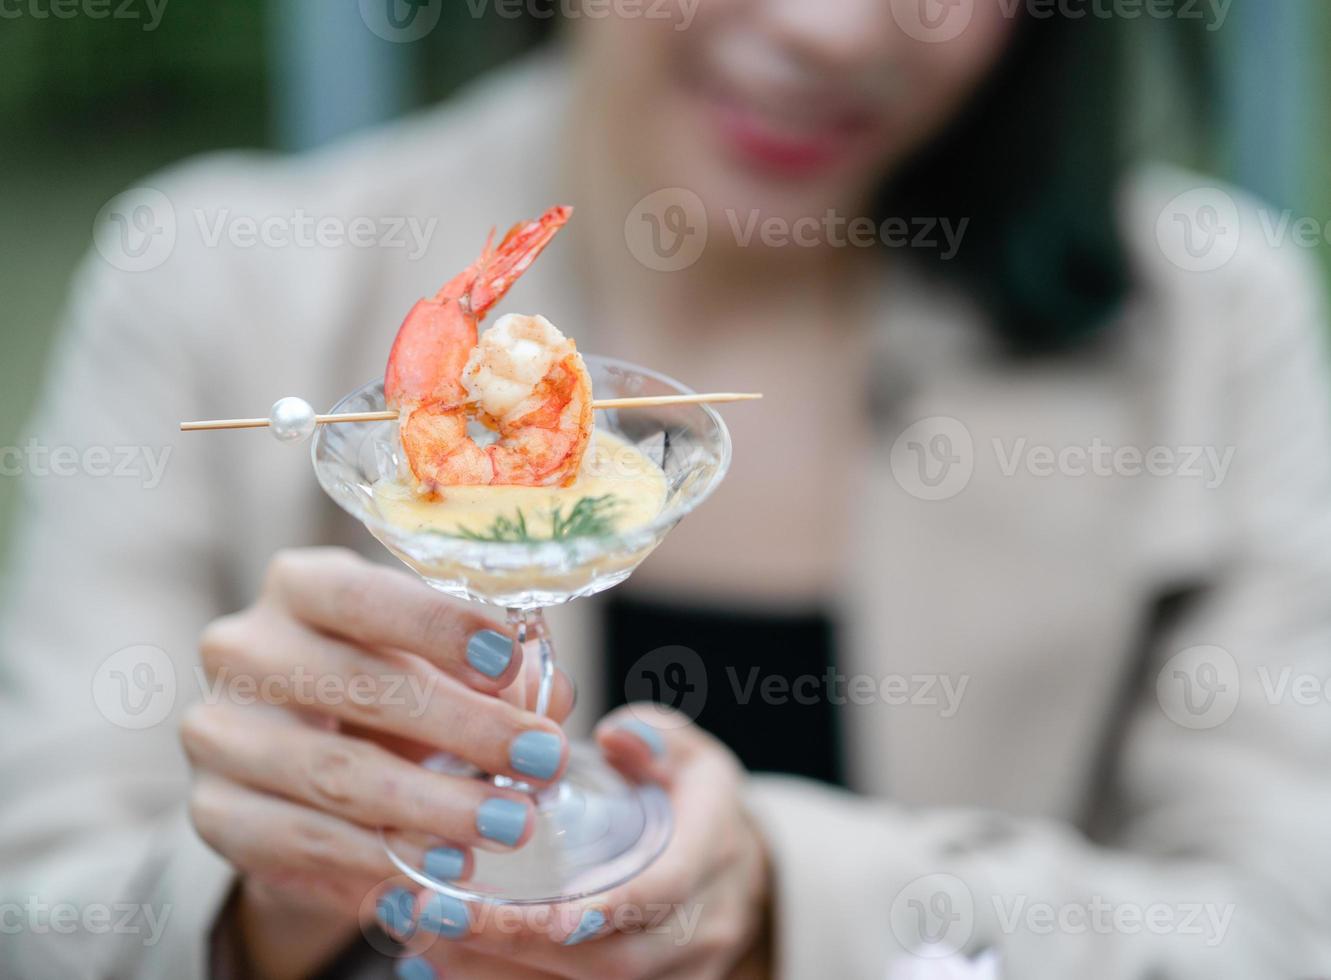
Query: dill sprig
503	529
590	517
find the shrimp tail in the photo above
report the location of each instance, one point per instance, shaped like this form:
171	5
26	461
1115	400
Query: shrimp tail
500	268
431	348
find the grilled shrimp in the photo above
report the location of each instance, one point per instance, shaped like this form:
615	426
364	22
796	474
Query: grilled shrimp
523	379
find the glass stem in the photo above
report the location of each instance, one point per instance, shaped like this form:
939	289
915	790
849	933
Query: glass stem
529	626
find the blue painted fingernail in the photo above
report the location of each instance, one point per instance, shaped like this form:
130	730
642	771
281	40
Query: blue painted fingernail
536	754
502	820
593	920
489	652
445	863
654	739
414	969
396	910
446	916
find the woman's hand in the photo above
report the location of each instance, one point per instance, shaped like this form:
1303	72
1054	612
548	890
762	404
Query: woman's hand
699	912
326	693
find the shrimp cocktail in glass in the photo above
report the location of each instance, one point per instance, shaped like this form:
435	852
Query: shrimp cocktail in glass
490	473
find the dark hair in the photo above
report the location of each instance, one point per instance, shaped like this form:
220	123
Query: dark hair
1035	163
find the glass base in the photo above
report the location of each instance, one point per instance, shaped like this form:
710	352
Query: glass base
595	830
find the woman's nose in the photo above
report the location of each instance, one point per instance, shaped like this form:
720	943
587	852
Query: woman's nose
832	33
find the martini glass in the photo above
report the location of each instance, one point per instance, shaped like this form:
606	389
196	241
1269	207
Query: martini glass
594	829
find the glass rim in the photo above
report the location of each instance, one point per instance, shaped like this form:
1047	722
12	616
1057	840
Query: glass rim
508	553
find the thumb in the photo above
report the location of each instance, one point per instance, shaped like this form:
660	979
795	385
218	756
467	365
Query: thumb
647	741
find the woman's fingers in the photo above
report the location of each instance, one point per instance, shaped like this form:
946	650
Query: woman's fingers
337	592
695	939
355	780
639	748
703	780
434	928
286	845
525	690
401	695
340	593
651	922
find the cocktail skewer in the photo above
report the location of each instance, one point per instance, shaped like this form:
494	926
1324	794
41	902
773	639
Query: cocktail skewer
293	418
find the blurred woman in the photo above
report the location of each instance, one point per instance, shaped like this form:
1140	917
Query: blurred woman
1040	485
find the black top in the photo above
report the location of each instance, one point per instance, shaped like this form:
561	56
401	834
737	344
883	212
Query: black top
757	681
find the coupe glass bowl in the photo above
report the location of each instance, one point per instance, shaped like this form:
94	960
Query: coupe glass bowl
689	442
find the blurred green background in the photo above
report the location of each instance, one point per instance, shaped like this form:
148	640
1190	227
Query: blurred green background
89	104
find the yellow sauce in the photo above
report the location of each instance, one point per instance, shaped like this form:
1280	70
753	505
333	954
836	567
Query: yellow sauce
611	467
